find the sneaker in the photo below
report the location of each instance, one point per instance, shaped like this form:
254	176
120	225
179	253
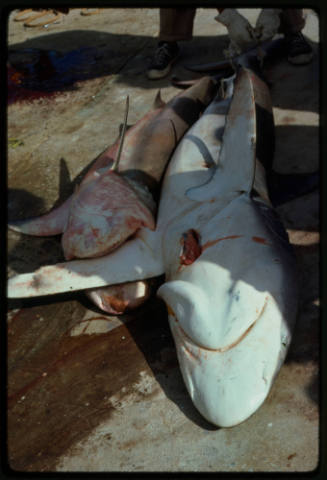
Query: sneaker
299	50
164	57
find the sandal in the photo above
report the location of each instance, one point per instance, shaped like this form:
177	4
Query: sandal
21	14
28	20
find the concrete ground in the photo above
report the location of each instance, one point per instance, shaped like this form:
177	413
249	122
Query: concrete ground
92	392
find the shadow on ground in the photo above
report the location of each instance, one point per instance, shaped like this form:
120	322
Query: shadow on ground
49	62
97	54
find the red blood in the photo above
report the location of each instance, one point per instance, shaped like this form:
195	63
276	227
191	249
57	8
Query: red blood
18	93
191	247
260	240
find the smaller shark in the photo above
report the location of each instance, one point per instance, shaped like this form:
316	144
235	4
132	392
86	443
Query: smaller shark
119	193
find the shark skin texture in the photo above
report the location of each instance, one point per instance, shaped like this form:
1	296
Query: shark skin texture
230	273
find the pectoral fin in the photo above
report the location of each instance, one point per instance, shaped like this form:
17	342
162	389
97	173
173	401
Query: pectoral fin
137	259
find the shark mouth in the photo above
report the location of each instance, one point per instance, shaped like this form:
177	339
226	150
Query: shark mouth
228	384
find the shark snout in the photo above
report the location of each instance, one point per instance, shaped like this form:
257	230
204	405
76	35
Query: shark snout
227	381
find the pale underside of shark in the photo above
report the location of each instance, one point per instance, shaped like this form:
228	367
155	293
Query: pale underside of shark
230	275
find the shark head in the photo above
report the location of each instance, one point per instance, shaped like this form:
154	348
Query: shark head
228	384
231	311
229	350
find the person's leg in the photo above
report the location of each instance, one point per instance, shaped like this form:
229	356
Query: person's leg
291	20
176	24
292	23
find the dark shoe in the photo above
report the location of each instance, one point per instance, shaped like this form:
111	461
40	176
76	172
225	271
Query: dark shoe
164	57
299	50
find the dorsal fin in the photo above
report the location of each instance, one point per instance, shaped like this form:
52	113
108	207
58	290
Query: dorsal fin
236	165
158	101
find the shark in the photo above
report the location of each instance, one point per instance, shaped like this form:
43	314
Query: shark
230	283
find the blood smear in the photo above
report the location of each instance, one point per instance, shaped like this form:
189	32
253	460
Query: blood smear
191	247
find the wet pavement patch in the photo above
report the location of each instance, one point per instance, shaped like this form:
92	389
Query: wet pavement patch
60	386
